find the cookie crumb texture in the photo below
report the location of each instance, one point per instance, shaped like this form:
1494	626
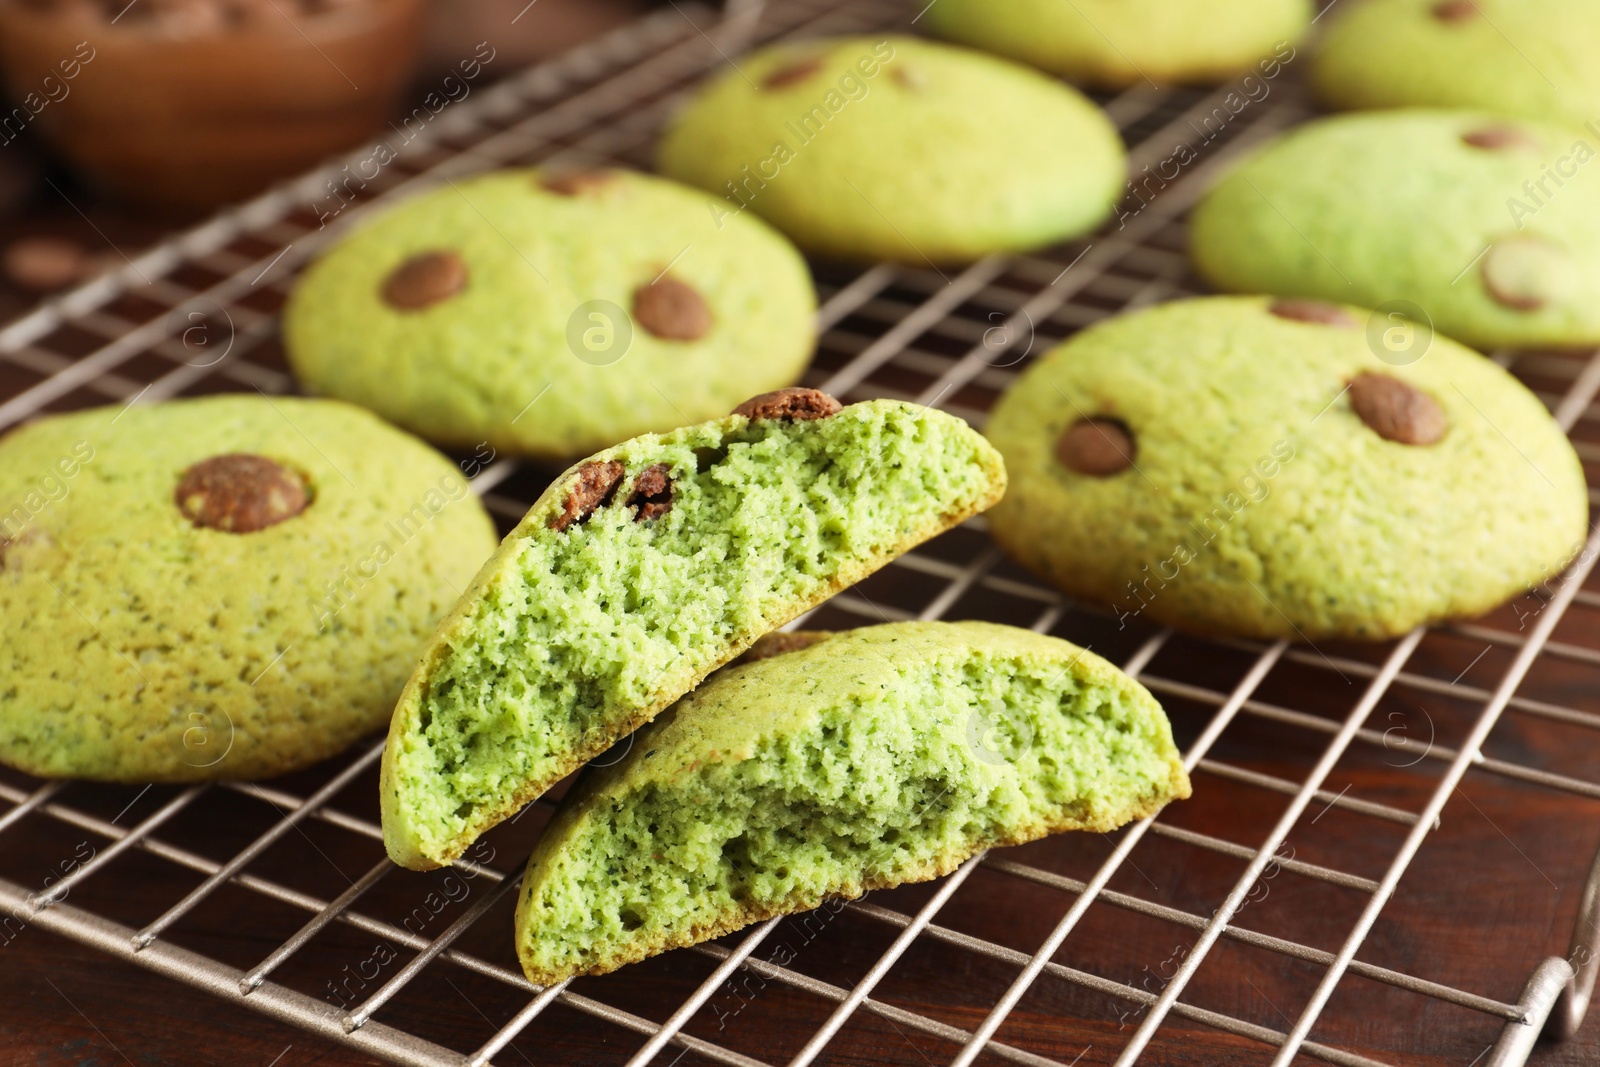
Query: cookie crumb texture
1289	483
571	637
535	311
1114	44
140	646
1373	208
879	756
898	148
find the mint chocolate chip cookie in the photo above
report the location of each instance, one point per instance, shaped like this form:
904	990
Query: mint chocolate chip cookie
1112	44
898	148
231	587
552	313
1528	59
871	758
1491	226
642	569
1249	466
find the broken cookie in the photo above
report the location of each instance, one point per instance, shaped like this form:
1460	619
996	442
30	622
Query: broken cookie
638	572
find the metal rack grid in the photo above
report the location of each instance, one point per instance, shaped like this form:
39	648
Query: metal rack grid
949	338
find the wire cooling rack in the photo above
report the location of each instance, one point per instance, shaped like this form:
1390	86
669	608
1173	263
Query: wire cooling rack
1043	932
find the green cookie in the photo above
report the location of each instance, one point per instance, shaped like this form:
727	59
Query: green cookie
1490	227
897	148
641	570
231	587
552	314
1532	59
1112	44
876	757
1235	465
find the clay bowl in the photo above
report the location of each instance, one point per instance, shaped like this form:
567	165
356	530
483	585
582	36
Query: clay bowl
191	114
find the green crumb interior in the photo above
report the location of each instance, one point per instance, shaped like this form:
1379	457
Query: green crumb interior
580	635
749	800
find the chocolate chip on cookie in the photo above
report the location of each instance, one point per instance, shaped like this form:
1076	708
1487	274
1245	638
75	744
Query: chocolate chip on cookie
239	493
576	182
1454	10
424	280
792	403
909	78
792	73
1396	410
29	535
672	310
44	263
1499	137
652	493
1525	273
1316	311
1099	447
597	480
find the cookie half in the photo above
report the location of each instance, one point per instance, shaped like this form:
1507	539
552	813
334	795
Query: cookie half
1529	59
1113	44
1245	466
879	756
898	148
642	569
1491	227
240	585
552	313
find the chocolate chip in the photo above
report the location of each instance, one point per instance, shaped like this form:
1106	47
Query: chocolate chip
770	645
794	402
188	18
74	9
45	263
671	310
1396	410
1526	273
1499	137
792	73
909	78
1454	10
595	483
652	493
253	13
29	535
239	493
1099	447
1312	311
576	182
424	280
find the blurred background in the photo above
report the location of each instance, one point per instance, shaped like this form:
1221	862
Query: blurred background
106	146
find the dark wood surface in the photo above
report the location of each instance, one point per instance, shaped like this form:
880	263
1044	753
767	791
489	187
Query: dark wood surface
1494	890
